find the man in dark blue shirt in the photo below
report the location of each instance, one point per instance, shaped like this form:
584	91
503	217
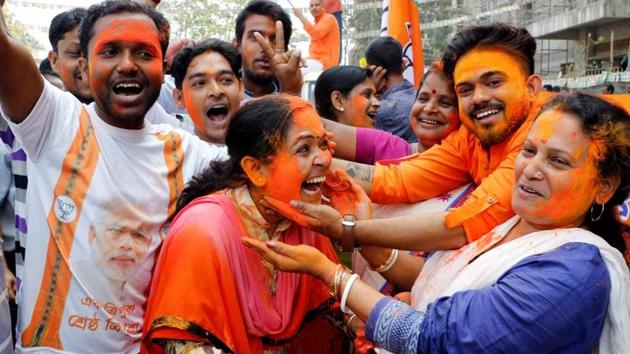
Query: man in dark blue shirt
397	94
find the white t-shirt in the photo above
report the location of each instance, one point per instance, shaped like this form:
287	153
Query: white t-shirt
97	198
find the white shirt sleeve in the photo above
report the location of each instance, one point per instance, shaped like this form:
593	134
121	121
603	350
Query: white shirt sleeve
54	117
201	153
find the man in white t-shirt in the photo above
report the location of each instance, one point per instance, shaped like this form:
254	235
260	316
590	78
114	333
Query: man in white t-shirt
87	164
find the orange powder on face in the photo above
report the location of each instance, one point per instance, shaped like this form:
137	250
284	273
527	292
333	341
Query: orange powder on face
125	31
487	59
360	119
284	180
306	117
514	96
196	116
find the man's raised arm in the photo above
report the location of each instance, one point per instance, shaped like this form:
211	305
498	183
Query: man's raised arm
20	81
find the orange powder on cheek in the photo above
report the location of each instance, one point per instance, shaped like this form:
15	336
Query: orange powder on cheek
196	116
360	119
284	180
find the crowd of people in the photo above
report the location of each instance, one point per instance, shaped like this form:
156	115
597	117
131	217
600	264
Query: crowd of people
181	197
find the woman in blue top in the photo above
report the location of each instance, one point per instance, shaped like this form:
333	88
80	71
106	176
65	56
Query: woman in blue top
543	281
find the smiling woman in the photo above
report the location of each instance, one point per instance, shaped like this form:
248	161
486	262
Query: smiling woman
208	288
346	94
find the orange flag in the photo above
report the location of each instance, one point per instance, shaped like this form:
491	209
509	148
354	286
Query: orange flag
401	20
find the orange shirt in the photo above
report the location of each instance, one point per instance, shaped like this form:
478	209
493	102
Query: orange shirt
332	6
459	159
324	40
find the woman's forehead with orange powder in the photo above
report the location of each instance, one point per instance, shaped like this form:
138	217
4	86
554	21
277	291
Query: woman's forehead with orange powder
307	118
133	29
488	59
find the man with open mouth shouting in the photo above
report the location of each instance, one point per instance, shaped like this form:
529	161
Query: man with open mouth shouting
83	159
208	85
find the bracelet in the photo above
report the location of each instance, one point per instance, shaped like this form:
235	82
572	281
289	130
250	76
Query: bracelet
389	263
348	328
336	278
346	291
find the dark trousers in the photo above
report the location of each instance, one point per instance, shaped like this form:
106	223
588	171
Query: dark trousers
340	23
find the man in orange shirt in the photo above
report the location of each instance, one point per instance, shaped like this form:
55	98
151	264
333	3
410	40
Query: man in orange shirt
324	34
334	8
493	70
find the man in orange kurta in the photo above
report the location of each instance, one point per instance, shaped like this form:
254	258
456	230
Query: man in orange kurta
324	34
498	93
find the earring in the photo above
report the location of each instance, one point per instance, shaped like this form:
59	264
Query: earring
339	109
601	212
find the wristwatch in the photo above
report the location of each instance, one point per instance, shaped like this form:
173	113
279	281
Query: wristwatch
348	224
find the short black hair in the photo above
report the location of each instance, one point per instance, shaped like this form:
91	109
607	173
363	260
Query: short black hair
385	52
44	66
610	88
341	78
515	40
64	23
187	54
112	7
265	8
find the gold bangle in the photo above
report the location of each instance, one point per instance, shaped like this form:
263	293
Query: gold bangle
387	265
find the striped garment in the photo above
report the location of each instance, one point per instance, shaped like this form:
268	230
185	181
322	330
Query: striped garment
15	239
6	344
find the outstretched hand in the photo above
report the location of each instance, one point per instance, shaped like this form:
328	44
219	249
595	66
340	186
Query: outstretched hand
285	63
320	218
298	258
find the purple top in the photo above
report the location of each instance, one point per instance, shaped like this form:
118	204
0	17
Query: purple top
374	145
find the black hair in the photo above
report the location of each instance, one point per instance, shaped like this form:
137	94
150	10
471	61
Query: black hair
610	88
265	8
45	67
515	40
258	129
609	126
113	7
385	52
64	23
338	78
548	88
187	54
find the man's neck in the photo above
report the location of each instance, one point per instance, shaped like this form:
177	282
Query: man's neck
131	123
256	89
393	80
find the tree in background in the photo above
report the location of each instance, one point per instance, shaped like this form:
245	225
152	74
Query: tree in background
202	19
19	31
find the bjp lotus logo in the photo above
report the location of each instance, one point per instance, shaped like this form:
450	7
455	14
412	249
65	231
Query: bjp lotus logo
65	209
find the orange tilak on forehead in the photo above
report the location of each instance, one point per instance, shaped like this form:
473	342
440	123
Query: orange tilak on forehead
130	30
487	59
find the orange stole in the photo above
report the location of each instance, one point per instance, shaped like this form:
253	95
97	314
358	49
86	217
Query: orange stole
174	158
194	293
77	171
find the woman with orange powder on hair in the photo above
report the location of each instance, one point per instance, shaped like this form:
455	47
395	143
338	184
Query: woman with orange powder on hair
209	292
433	117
